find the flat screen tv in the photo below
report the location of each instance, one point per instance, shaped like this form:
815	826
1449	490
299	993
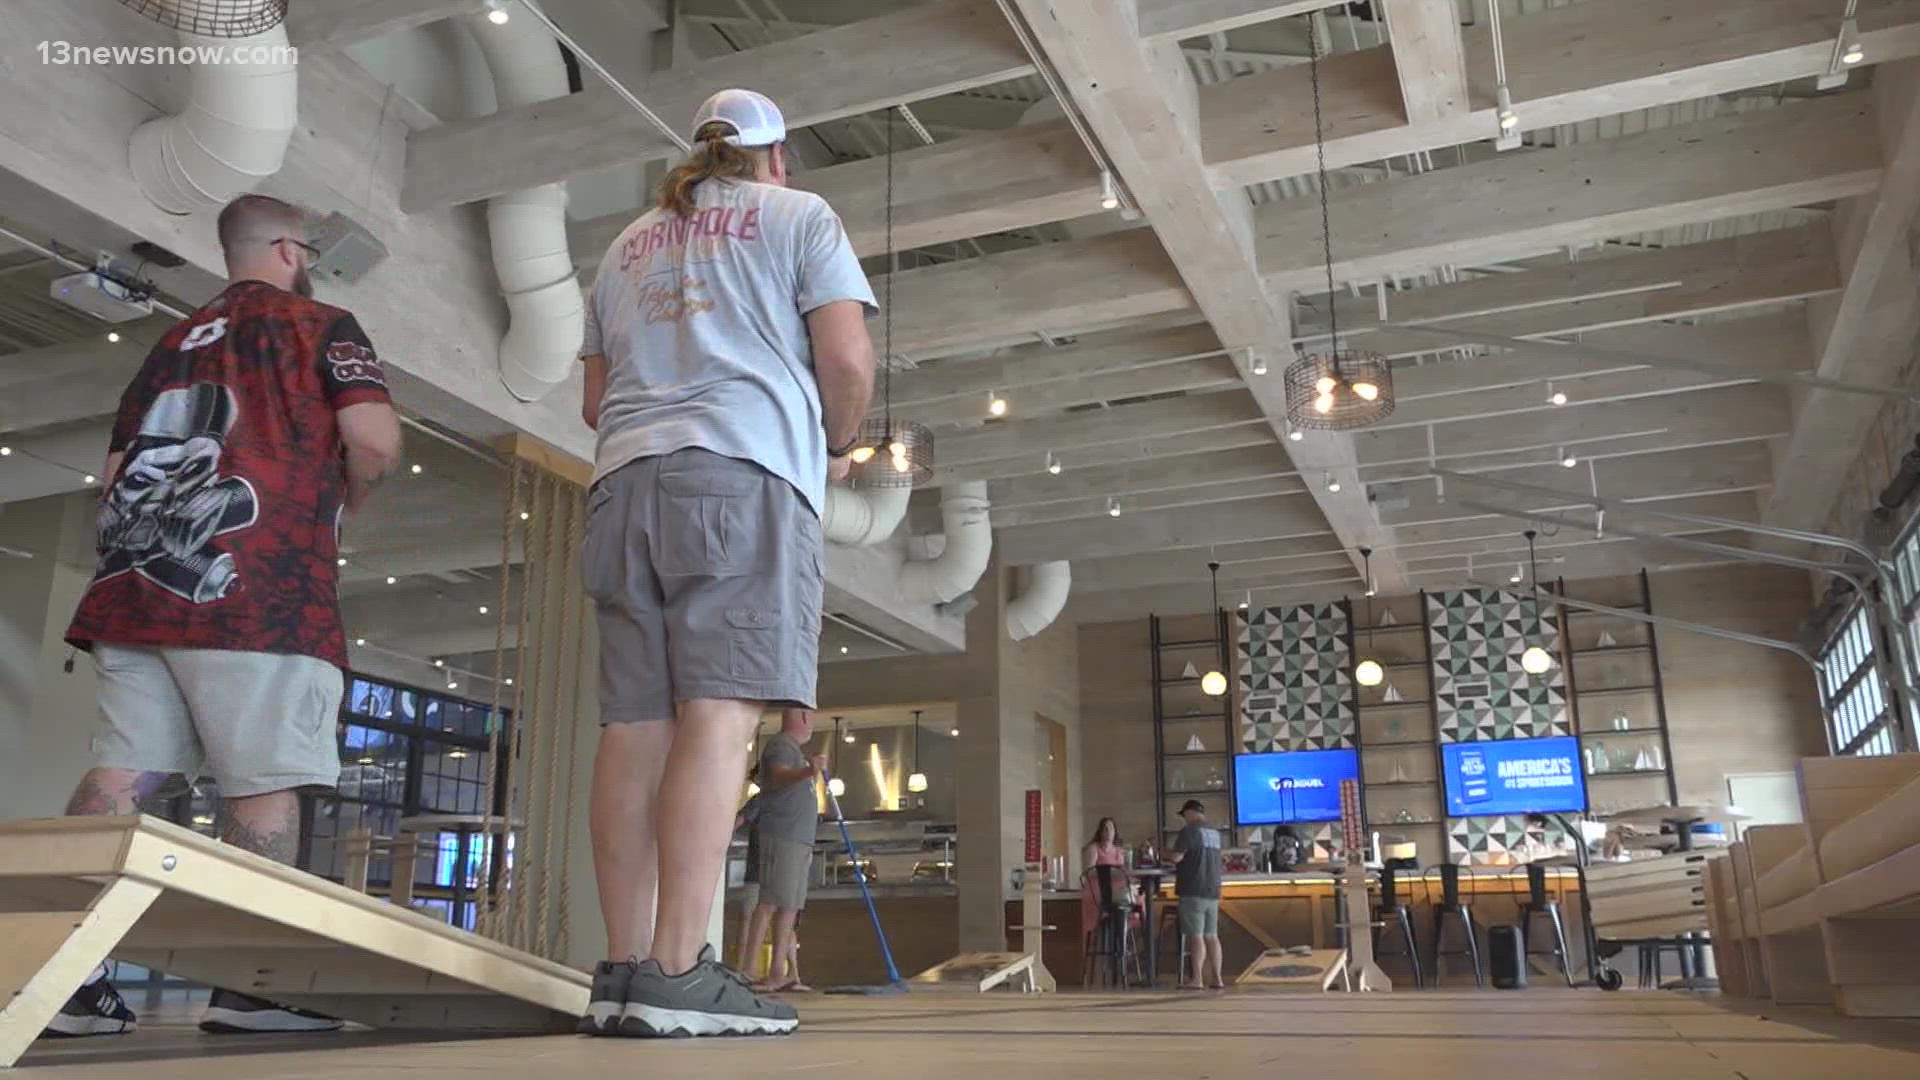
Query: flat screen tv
1514	776
1293	786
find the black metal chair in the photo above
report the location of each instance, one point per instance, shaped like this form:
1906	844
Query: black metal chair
1541	906
1110	944
1390	912
1461	914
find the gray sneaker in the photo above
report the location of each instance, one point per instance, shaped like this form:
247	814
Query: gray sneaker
711	999
610	983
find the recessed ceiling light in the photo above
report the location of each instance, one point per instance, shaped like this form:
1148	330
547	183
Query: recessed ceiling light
341	561
416	470
391	580
524	515
360	641
439	663
996	406
6	451
90	479
955	733
843	650
113	337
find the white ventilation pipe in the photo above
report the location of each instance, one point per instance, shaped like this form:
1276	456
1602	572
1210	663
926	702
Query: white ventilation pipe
863	518
969	546
545	309
231	135
1034	610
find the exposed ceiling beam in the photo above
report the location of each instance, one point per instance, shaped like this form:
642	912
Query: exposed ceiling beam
1430	57
1175	20
1523	204
1090	483
1249	435
1276	519
949	191
1140	100
318	25
959	381
1867	332
1667	475
919	52
1565	64
1098	428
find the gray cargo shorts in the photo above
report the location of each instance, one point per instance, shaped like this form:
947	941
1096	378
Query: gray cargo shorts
705	574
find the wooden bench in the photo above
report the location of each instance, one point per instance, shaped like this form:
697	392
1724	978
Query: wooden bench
75	891
1730	957
1863	817
1785	882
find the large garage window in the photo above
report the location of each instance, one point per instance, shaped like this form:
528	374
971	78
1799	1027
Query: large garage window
1859	718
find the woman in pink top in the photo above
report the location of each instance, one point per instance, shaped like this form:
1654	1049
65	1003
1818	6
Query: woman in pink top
1103	850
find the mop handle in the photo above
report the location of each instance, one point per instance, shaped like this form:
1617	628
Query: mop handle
860	875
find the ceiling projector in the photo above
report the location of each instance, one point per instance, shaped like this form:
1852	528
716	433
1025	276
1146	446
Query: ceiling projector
102	297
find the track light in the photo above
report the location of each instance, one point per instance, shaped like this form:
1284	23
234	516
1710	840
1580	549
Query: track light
1567	459
1113	506
497	12
955	733
1556	396
509	680
439	663
1519	575
1509	120
524	515
996	406
6	451
1053	464
843	650
1333	484
1256	362
341	561
483	609
1851	50
391	580
416	470
113	337
451	685
360	642
89	479
1294	434
1109	191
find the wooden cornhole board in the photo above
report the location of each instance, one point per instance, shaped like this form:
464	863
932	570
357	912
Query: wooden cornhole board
1278	969
74	891
977	973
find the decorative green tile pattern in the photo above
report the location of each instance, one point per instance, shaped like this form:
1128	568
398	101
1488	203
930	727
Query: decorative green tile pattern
1480	690
1296	679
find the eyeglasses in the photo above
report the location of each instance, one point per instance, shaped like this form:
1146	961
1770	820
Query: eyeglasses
313	253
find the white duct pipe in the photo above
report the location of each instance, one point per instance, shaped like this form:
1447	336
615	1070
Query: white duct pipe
863	518
233	132
969	545
545	309
1046	596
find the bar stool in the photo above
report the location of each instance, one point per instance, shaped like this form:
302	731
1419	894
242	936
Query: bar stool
1391	911
1450	905
1111	940
1169	930
1541	906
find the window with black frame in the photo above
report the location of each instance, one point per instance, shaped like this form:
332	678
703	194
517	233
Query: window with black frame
1906	574
407	752
1856	703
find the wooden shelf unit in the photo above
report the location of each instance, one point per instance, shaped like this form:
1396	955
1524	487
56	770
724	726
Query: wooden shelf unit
1647	655
1184	651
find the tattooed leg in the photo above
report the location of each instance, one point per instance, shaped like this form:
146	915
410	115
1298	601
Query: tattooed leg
265	825
113	792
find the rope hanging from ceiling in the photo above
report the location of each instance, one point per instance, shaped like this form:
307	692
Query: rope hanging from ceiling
213	18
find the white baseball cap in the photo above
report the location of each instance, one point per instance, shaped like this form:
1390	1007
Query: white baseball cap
754	118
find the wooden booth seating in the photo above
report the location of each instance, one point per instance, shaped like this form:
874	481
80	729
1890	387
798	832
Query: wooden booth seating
75	891
1747	904
1786	881
1863	816
1729	938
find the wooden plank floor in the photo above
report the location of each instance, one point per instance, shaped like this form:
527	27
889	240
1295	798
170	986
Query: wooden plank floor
1435	1035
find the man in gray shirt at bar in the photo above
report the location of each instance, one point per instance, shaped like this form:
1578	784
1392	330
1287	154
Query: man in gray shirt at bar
1196	854
789	818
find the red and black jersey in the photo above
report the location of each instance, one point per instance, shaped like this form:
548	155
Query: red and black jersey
221	528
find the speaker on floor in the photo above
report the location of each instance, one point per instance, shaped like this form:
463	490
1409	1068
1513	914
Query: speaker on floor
1507	956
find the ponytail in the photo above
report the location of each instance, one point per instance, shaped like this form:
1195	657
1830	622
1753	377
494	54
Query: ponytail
713	158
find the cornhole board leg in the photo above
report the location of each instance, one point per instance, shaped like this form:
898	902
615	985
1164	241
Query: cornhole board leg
979	973
49	954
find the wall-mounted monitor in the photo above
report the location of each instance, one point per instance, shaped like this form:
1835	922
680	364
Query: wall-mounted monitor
1514	776
1292	786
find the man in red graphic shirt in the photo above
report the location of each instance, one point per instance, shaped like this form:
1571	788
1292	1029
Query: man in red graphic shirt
213	617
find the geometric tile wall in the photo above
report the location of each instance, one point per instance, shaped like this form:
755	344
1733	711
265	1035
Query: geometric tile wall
1490	841
1480	690
1296	683
1324	840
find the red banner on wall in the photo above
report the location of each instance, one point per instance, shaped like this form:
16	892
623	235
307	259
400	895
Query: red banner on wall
1033	825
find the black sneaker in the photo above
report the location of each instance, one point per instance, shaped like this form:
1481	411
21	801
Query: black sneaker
94	1009
610	981
229	1013
711	999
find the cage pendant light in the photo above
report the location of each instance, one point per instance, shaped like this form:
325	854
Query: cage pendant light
891	453
213	18
1334	388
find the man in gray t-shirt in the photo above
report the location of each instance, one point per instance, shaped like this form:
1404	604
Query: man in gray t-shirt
1196	855
728	370
789	818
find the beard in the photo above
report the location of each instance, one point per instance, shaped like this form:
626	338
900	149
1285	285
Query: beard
303	283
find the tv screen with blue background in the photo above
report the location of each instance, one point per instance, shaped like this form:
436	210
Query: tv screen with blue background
1514	776
1265	796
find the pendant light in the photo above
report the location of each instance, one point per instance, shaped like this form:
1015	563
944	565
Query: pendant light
1334	389
1536	660
917	782
890	453
836	787
1214	682
1368	672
